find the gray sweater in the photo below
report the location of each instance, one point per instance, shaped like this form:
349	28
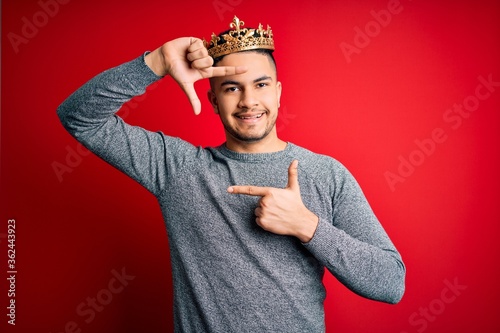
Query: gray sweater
230	275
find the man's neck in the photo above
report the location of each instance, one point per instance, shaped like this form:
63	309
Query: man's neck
266	145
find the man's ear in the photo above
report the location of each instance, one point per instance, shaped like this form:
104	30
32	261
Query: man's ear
213	100
278	92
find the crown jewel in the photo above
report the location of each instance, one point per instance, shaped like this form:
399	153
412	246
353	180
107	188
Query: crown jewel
240	39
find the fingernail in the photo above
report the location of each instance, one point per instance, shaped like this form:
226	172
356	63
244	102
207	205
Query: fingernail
230	189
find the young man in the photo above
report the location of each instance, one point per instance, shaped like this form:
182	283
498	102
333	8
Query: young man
253	222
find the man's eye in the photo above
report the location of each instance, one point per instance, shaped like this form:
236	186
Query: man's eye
231	89
262	85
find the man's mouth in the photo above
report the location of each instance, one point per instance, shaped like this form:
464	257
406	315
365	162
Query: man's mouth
249	117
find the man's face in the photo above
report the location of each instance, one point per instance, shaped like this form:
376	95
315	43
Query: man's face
247	103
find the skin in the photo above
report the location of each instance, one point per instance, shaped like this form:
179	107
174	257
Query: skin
246	95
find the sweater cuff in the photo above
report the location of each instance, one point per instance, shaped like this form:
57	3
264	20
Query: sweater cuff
320	245
144	68
143	58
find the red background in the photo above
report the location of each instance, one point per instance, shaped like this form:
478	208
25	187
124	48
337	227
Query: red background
73	230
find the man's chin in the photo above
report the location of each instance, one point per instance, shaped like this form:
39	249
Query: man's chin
249	137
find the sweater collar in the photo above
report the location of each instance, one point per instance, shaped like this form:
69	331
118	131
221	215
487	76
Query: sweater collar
255	157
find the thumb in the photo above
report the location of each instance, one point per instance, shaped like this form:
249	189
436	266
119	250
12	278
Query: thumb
188	89
293	176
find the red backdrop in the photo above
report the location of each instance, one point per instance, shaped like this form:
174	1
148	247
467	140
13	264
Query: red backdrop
405	93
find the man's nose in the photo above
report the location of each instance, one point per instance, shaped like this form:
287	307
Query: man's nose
248	100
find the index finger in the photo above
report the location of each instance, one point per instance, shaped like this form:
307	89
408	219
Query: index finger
249	190
227	70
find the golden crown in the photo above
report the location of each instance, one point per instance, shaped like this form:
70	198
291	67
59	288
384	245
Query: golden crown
240	39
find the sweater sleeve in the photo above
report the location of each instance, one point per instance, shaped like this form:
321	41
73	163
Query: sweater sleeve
355	248
89	115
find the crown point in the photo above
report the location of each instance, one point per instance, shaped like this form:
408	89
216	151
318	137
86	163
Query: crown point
269	32
236	24
260	30
215	39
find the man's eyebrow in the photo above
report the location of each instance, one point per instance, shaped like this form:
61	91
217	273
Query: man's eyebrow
230	82
262	78
236	83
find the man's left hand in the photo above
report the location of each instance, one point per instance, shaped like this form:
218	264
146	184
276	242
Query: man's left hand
281	211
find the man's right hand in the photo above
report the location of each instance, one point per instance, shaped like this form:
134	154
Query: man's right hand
186	60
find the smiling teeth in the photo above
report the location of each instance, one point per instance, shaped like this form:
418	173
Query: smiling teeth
253	117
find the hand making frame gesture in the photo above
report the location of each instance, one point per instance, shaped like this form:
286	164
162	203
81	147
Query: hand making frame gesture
281	211
186	60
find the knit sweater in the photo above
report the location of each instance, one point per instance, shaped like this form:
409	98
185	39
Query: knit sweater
229	274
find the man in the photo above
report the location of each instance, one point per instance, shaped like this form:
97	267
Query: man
253	222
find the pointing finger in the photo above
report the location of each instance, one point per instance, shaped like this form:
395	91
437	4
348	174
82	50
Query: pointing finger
293	175
227	70
249	190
